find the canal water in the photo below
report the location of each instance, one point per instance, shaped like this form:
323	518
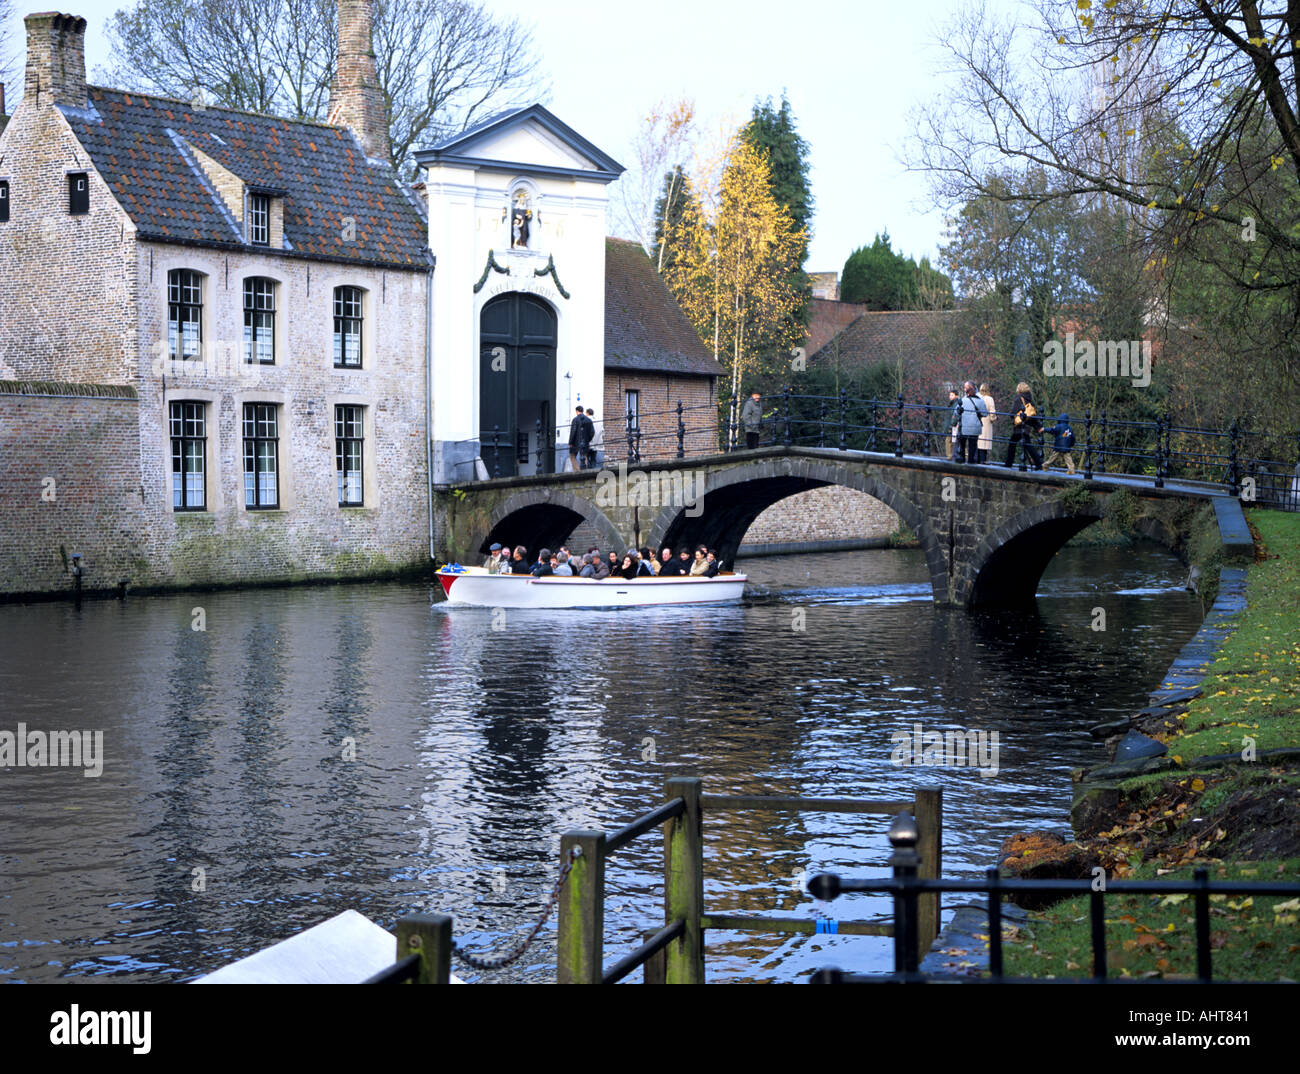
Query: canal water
367	747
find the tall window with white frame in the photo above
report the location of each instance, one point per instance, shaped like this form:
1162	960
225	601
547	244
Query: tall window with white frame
259	219
184	314
348	444
261	457
259	320
347	327
189	449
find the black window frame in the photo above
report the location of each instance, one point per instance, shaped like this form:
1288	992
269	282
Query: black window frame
260	425
349	312
258	319
632	397
4	201
187	425
258	220
349	433
78	199
184	295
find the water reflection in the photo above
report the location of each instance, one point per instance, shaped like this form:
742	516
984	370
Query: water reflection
319	749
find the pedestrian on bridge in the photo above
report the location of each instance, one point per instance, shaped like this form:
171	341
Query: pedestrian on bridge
1026	429
986	433
1062	443
954	433
969	415
751	417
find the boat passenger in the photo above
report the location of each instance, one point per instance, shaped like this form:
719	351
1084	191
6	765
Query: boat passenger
612	563
600	568
629	567
493	562
684	562
669	568
588	570
542	568
519	561
560	564
700	567
643	568
714	565
648	558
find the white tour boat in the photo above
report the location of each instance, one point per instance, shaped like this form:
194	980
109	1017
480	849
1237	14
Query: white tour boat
475	586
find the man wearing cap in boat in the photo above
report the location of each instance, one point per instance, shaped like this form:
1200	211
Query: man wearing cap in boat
493	562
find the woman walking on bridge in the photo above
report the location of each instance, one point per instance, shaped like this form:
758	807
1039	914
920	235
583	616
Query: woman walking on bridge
1026	428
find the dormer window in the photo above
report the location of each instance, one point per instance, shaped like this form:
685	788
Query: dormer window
78	193
258	220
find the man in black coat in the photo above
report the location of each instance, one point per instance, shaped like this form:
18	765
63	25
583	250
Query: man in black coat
581	430
670	567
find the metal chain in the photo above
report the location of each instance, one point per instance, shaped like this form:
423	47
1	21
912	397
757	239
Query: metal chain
497	962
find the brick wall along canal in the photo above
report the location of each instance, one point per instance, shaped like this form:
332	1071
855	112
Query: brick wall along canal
475	749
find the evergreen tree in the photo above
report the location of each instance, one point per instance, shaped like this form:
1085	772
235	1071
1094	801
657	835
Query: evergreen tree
879	277
772	130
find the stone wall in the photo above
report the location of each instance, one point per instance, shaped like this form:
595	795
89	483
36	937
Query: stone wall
825	514
70	480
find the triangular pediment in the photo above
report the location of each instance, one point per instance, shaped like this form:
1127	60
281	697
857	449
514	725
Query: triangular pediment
526	140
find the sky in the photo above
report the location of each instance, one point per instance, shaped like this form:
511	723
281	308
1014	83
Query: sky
853	72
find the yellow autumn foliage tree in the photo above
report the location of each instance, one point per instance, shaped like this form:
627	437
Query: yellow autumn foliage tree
731	268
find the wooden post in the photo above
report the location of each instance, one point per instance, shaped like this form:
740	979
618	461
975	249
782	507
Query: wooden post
929	822
581	942
429	936
655	966
684	883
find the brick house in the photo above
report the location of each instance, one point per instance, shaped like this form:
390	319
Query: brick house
653	360
227	312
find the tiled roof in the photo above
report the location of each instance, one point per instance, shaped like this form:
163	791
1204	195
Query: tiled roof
887	335
137	144
645	329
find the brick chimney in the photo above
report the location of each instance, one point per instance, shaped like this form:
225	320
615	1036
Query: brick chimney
356	101
56	59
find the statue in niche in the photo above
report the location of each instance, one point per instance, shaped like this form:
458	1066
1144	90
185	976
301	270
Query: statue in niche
521	216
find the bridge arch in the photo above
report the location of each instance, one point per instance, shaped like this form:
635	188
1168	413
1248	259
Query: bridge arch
1009	562
734	497
544	518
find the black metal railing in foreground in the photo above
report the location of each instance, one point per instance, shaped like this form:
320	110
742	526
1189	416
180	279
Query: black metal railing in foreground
1259	467
907	888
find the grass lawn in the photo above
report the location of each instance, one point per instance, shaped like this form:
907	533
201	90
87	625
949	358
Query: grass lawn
1241	821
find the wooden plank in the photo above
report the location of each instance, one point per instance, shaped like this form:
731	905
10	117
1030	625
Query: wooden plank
929	845
581	942
684	883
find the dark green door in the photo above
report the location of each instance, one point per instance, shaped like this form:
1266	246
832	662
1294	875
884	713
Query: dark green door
517	385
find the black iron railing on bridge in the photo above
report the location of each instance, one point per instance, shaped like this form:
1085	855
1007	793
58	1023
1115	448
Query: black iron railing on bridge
1259	466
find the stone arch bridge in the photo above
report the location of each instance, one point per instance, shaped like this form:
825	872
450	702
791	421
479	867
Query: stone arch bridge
988	532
